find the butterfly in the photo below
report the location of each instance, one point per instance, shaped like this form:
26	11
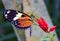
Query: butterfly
17	18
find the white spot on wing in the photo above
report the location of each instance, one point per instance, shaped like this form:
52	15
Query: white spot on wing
8	11
6	15
17	16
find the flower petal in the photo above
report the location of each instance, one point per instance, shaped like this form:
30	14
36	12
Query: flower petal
42	24
52	28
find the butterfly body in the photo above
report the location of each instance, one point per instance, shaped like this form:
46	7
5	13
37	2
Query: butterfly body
17	18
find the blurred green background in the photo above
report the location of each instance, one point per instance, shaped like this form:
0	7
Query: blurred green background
6	30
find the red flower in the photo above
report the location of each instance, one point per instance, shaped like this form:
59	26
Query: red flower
52	28
44	25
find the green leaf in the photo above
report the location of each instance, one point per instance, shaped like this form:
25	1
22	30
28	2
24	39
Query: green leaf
54	34
45	38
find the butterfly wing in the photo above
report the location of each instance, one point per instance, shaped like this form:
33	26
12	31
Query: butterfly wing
17	18
24	22
9	14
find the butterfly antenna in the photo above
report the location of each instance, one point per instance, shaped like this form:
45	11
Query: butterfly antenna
32	14
34	11
33	17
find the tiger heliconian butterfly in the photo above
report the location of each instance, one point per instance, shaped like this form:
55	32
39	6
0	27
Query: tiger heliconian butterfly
19	19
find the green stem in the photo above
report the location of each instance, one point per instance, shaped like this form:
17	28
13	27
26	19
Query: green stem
50	37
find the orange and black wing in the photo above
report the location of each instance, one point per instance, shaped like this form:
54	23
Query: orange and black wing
24	21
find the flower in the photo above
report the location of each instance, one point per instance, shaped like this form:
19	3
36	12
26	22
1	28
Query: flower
52	28
44	26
